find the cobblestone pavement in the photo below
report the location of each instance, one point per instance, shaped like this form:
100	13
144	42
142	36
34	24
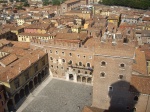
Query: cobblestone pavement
61	96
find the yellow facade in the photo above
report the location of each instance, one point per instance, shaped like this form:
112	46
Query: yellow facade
31	71
86	25
41	31
75	30
27	38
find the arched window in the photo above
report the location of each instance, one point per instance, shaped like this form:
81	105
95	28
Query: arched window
70	54
88	65
70	62
136	98
78	71
80	63
122	65
103	63
51	58
102	74
120	76
63	60
85	72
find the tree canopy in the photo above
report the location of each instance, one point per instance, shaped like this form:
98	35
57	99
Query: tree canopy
139	4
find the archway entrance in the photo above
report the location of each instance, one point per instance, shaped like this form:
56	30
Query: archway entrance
35	81
39	78
30	85
26	90
83	79
89	80
78	78
43	73
21	93
10	105
46	71
71	77
17	98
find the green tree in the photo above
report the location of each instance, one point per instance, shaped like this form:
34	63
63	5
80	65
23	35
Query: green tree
26	4
140	4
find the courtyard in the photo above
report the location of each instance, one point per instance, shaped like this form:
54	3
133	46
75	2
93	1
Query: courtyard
60	96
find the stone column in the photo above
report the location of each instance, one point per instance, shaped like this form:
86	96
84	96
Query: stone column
75	77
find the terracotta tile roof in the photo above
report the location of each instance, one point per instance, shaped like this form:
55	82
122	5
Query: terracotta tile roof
118	50
8	59
4	30
141	83
140	62
14	69
146	19
38	26
23	45
4	42
71	36
14	50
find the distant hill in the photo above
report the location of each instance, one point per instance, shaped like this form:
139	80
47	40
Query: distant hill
139	4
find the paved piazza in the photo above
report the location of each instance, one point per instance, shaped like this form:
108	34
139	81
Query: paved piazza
61	96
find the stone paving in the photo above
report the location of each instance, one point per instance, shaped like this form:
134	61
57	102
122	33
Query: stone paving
61	96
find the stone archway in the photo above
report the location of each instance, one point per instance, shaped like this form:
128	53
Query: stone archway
35	81
17	98
46	71
39	78
26	90
71	77
89	80
78	78
21	93
43	73
84	79
10	105
30	85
